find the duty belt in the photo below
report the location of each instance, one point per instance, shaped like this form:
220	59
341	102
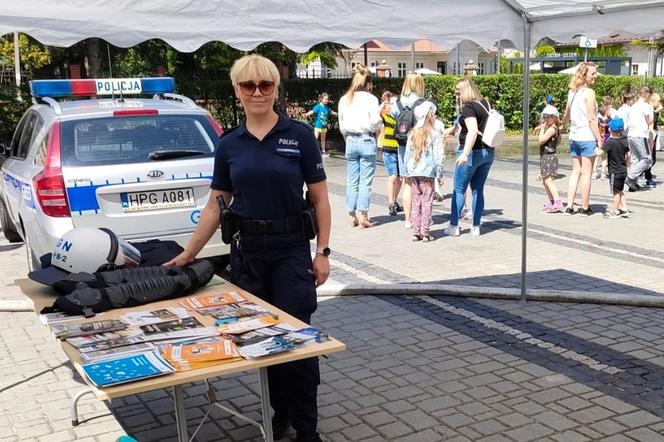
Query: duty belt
268	226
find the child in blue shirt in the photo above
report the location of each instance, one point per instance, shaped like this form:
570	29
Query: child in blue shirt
322	112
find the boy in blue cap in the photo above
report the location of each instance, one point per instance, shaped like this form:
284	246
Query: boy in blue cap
617	153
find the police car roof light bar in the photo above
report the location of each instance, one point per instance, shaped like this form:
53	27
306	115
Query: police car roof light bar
101	86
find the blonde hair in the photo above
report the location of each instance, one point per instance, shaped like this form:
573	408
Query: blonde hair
607	101
420	137
468	91
655	99
256	67
361	79
579	77
413	82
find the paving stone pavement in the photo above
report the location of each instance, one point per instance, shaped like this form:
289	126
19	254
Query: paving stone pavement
418	368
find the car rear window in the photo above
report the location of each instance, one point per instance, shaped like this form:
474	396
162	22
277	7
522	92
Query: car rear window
130	139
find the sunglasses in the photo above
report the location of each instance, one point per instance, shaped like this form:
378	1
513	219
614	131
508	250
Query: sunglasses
249	87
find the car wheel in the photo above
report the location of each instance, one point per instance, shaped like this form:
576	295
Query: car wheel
33	261
7	226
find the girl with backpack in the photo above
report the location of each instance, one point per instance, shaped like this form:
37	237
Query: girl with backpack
359	122
474	158
424	165
412	92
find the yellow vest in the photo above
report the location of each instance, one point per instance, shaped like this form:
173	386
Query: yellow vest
389	142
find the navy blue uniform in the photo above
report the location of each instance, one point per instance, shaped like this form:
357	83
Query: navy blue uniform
266	179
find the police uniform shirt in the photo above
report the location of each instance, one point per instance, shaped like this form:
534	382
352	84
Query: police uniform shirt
267	177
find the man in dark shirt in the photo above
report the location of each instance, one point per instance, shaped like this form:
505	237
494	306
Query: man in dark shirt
617	153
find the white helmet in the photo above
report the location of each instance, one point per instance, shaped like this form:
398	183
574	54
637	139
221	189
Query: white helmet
89	250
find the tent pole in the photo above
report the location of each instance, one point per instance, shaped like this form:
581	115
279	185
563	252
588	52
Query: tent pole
526	127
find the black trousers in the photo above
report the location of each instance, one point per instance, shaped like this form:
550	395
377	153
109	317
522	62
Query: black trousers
648	173
278	269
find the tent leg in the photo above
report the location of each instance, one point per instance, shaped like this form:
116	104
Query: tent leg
526	127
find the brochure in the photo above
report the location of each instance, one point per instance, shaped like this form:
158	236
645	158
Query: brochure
112	353
155	316
180	328
239	327
64	331
126	369
270	346
203	301
239	310
307	335
84	341
186	357
261	334
55	317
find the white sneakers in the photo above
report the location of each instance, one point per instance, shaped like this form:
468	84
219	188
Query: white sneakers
455	231
452	231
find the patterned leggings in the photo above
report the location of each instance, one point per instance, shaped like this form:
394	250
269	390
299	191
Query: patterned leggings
422	197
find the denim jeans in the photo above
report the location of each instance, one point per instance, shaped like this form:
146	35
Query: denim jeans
475	173
360	166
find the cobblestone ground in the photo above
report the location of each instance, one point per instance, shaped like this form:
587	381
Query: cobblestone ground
418	368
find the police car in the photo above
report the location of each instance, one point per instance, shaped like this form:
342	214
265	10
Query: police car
138	166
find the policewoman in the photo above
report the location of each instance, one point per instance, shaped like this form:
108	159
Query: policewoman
260	169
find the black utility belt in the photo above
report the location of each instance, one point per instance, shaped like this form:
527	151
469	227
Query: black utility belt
269	226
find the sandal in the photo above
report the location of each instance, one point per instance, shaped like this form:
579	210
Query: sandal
353	221
364	221
417	238
427	238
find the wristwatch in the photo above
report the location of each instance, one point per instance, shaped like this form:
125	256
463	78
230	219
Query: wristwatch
323	251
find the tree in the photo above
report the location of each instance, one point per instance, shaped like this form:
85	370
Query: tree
33	55
543	50
326	52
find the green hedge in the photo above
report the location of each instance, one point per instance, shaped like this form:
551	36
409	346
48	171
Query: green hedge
505	92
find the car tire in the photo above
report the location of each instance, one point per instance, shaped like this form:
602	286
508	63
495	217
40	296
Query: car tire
7	226
33	261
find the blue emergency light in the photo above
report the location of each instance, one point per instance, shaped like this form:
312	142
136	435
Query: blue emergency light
102	86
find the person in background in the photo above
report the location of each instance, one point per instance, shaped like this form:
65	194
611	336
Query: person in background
548	101
359	122
322	112
656	104
390	146
639	122
617	152
603	119
474	158
623	110
412	90
424	165
549	137
260	169
584	136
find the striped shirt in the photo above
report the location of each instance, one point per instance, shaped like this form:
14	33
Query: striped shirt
389	142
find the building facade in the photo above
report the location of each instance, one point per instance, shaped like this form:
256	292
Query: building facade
396	62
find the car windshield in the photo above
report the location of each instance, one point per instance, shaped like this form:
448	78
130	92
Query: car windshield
131	139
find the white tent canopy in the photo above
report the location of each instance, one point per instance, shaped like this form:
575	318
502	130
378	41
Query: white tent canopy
299	24
427	71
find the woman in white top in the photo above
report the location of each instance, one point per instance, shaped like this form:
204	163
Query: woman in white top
359	122
584	135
